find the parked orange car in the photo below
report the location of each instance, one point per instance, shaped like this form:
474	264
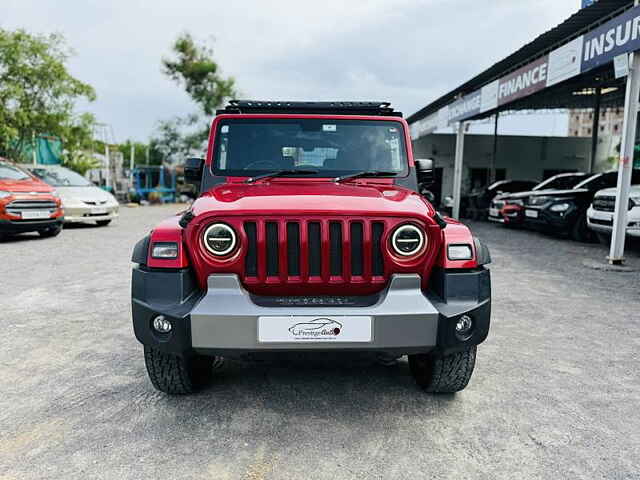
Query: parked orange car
27	204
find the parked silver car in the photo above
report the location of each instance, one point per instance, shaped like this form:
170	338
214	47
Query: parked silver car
82	201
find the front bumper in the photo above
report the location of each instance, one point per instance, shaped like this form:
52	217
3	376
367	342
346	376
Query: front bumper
22	226
224	320
89	214
602	222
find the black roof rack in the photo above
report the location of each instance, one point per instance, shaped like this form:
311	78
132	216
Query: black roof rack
318	108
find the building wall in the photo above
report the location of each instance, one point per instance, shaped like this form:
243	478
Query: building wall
610	123
523	157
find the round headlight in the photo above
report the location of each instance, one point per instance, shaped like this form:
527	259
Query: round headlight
407	240
220	239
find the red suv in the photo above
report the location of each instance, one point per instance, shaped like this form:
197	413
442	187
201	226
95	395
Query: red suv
308	234
27	204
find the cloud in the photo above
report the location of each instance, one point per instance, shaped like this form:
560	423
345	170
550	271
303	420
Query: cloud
409	52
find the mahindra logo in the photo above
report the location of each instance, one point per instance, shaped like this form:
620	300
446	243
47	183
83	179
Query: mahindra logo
318	327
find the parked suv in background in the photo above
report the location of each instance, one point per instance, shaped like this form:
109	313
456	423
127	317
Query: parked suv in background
509	208
600	213
476	204
83	202
27	204
565	211
309	235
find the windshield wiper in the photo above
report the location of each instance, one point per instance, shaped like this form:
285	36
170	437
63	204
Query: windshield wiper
279	173
366	173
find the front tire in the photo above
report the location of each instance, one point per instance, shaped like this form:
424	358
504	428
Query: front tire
580	231
177	375
438	373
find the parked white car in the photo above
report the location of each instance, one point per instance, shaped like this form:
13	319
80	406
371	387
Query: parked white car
82	201
600	213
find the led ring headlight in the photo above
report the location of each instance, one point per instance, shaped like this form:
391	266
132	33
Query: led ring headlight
407	240
220	239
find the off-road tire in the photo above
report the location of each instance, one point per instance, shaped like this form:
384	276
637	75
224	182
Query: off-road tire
177	375
437	373
50	232
103	223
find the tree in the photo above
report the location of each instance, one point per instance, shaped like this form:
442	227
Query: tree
192	67
37	93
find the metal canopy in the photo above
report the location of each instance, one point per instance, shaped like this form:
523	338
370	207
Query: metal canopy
560	96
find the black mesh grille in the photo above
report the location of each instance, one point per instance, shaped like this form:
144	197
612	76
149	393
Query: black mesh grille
251	258
315	251
377	263
357	240
293	249
272	249
335	248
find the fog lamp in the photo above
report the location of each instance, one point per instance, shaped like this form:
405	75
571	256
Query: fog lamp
161	324
463	327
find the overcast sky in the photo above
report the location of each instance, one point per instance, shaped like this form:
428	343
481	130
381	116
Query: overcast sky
409	52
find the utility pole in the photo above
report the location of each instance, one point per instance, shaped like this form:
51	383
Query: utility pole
108	165
457	171
625	165
34	153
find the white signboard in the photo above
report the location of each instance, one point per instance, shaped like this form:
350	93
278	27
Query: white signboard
565	61
489	96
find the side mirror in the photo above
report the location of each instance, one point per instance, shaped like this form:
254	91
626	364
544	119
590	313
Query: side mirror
424	171
193	168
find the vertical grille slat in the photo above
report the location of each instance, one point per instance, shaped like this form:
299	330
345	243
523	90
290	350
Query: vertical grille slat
315	251
377	260
293	249
272	249
335	248
357	238
251	258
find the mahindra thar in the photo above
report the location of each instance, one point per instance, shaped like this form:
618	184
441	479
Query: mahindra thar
308	234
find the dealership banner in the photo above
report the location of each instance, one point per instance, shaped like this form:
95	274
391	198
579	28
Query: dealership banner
618	36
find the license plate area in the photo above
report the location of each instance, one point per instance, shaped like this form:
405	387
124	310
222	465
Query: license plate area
531	213
99	211
314	329
34	214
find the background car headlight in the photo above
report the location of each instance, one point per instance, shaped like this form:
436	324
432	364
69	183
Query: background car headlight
220	239
560	207
407	240
636	201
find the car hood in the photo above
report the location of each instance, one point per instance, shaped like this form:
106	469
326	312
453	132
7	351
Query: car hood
286	197
85	194
543	193
612	192
25	186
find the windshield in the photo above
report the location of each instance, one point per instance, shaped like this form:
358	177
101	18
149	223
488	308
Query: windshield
333	147
60	177
9	172
564	182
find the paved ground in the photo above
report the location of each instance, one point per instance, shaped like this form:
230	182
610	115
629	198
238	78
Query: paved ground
555	392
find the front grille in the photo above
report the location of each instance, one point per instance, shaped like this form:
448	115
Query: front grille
597	221
327	250
32	204
18	206
608	204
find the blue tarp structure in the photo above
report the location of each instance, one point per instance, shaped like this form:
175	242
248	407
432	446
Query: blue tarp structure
48	150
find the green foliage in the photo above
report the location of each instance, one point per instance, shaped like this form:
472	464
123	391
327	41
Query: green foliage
194	68
81	162
37	93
